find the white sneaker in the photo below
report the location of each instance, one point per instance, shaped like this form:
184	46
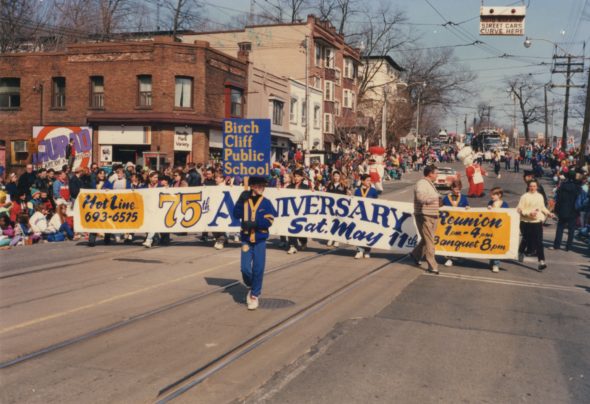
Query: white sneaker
292	250
336	244
253	303
359	255
117	239
129	237
147	243
249	297
329	243
449	263
495	268
367	255
218	245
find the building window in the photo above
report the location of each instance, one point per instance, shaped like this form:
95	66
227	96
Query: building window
96	92
329	57
318	55
317	82
352	100
329	91
58	92
348	68
144	87
336	108
20	151
304	113
347	98
9	93
277	112
237	103
316	116
293	110
328	126
183	92
338	76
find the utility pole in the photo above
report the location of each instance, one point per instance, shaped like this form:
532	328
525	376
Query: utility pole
546	118
585	126
384	119
306	141
567	99
465	124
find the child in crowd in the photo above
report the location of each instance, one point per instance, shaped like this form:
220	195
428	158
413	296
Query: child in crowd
496	203
23	232
6	230
366	190
58	228
455	199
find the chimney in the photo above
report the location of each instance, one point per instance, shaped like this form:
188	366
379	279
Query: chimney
244	49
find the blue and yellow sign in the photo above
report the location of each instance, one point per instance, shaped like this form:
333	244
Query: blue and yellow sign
246	147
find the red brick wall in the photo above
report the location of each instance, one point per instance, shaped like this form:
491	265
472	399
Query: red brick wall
120	64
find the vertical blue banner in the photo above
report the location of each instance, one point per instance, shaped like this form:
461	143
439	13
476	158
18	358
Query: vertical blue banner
246	147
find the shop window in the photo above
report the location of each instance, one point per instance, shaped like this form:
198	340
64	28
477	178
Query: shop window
237	103
277	112
183	92
97	92
58	92
9	93
144	87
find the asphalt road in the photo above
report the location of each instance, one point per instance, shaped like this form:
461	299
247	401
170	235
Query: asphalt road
119	323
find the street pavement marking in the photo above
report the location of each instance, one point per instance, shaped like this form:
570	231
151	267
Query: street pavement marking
510	282
110	299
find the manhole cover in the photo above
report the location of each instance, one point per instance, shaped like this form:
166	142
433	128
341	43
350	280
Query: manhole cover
273	304
138	260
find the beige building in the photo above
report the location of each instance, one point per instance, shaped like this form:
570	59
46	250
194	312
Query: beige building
382	74
311	50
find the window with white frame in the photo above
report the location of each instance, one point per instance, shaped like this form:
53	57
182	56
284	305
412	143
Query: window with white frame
329	91
293	110
183	92
316	116
338	76
317	82
336	108
352	100
348	68
346	98
329	56
328	124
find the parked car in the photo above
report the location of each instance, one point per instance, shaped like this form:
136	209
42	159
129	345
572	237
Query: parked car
445	176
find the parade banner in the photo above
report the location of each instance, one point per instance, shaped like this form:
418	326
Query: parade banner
382	224
477	233
246	147
51	143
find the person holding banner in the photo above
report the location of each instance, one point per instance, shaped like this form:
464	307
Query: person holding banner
426	205
256	214
455	199
366	190
298	176
533	213
336	186
496	194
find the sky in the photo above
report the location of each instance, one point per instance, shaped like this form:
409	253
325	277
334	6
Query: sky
566	22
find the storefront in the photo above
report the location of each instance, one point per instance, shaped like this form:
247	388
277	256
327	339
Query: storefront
279	147
183	145
123	143
215	144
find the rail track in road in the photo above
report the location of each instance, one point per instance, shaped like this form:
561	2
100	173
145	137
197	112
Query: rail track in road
150	313
202	373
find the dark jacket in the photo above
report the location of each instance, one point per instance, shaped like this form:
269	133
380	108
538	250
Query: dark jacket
565	200
75	185
25	182
193	178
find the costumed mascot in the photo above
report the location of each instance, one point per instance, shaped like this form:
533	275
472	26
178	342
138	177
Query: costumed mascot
473	171
377	167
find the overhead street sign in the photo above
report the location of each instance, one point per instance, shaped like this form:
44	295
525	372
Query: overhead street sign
502	21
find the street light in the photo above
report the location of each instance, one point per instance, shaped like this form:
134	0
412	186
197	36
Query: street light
528	42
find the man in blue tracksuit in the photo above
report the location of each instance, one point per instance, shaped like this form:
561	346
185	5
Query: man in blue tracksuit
257	215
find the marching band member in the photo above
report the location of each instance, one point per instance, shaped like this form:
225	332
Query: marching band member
257	215
366	191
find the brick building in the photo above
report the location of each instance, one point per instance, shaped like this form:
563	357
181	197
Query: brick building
331	63
150	102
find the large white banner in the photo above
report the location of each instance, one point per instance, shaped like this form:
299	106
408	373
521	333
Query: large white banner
382	224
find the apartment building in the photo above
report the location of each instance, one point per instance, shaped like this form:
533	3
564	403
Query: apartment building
151	102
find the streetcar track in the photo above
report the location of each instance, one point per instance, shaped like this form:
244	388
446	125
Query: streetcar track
199	375
130	320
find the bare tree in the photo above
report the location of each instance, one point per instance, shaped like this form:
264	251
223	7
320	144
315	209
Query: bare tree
183	14
21	24
526	92
113	13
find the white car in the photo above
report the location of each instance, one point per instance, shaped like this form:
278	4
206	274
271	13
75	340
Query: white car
445	176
